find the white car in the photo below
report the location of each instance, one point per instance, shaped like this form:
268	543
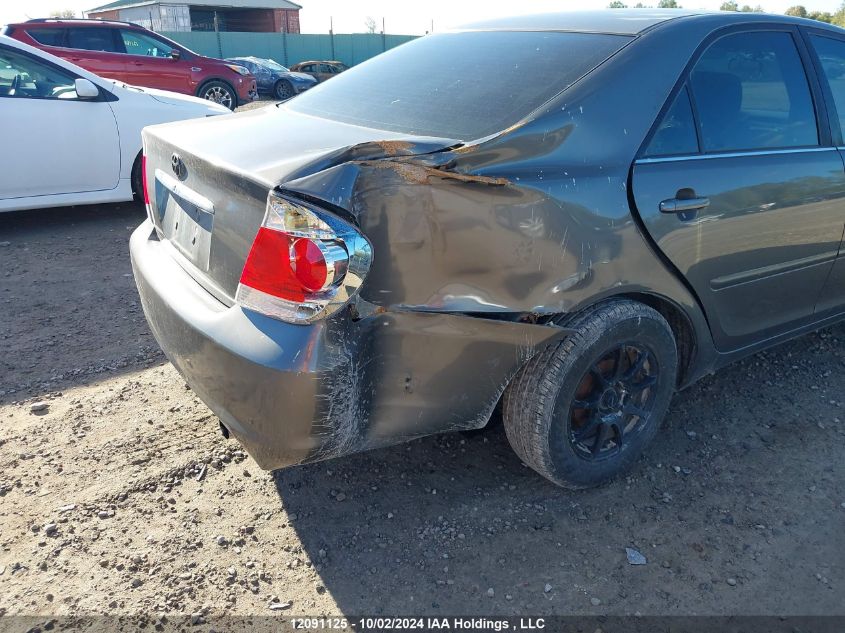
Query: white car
71	137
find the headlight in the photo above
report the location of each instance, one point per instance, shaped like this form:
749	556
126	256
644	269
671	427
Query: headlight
238	69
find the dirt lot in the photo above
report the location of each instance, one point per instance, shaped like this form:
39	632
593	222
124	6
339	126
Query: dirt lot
123	497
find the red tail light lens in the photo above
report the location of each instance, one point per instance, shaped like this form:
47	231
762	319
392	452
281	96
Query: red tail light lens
144	179
269	269
309	265
304	264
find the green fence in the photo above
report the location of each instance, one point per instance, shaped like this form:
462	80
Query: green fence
288	49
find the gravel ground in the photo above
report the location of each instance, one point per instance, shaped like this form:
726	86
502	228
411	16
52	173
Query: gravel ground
119	495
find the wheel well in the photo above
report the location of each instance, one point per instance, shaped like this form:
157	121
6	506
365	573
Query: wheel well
136	171
678	321
208	81
681	326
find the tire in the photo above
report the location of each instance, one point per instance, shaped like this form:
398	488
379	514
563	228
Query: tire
219	92
137	185
621	358
283	90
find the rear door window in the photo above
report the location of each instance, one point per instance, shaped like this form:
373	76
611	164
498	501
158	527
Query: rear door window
676	133
751	92
92	38
831	54
459	85
48	37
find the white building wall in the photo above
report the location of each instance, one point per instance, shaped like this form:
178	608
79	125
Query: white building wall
159	17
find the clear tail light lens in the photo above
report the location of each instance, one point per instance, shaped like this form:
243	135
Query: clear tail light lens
304	264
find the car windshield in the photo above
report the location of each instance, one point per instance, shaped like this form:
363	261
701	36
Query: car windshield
273	65
459	85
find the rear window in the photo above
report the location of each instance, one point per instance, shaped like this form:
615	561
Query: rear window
48	37
459	85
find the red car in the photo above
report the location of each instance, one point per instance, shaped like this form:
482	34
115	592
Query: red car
135	55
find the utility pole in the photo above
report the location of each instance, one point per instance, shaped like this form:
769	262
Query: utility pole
217	31
383	37
331	33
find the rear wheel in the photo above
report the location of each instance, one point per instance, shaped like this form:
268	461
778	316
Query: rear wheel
582	411
283	90
219	92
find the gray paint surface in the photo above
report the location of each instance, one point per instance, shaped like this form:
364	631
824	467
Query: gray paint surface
482	246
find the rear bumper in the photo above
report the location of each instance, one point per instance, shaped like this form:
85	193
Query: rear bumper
292	394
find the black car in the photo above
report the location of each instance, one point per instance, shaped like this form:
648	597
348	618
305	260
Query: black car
274	79
403	252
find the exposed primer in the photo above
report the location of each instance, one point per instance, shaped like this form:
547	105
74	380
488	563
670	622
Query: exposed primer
421	174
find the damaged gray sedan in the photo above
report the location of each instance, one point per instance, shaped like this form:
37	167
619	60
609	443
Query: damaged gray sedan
574	216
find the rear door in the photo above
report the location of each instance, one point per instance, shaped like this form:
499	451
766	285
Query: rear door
149	63
829	53
96	48
740	187
57	143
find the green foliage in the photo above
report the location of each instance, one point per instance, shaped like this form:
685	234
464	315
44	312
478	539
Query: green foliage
617	4
837	18
798	11
729	6
668	4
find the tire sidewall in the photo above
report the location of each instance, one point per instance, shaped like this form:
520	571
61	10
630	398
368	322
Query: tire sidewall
562	459
225	86
282	82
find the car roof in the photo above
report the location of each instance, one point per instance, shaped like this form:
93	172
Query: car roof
627	21
49	22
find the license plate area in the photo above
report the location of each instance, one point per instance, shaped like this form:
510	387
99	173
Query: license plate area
187	220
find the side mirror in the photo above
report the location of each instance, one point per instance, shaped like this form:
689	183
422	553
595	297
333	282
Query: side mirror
85	89
175	54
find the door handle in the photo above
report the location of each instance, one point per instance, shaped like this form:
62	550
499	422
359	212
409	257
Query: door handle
681	205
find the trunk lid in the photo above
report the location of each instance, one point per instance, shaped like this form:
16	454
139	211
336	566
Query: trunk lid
209	179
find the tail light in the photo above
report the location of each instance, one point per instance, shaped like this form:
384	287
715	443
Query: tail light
304	264
144	188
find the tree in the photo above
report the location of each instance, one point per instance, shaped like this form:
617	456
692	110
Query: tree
798	11
668	4
729	6
370	24
749	9
64	13
838	18
617	4
820	16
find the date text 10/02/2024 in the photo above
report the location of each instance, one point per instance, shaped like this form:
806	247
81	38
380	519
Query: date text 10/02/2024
419	623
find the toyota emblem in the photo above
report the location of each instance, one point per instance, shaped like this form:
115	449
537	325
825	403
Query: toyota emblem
178	166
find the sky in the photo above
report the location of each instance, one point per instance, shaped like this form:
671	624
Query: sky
412	17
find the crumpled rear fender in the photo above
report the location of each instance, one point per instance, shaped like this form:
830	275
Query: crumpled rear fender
451	242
